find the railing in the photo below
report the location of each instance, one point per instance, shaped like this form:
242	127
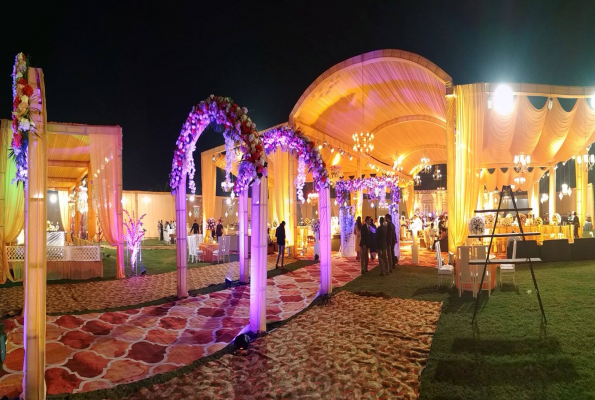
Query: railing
58	253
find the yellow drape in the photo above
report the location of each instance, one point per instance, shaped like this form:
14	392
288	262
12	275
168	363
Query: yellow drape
282	191
12	201
468	142
63	198
581	193
209	184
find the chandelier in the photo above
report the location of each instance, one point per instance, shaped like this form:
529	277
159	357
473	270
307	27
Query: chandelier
521	163
441	189
425	165
417	180
544	198
312	199
520	180
437	174
335	172
397	167
362	143
586	161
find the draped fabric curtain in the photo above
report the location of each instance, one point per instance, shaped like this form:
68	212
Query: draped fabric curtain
581	193
12	201
209	184
63	198
106	169
470	112
451	107
282	190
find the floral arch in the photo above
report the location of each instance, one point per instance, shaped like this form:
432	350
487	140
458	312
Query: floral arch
237	128
309	161
376	188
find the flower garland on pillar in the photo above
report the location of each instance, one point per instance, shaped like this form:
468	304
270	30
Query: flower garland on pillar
309	159
231	120
375	187
22	123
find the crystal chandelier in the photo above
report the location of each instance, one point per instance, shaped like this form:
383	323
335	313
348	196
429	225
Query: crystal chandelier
425	165
313	199
397	167
544	198
437	174
521	163
441	189
519	180
586	161
417	180
362	143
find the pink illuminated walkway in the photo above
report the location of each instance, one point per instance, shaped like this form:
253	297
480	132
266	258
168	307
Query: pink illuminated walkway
95	351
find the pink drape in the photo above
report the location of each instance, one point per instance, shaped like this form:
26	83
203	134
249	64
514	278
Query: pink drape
106	172
243	236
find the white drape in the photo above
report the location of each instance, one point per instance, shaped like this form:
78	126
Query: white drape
258	265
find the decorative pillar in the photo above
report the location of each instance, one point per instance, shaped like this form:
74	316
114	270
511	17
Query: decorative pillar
77	213
450	171
120	216
581	193
552	200
182	259
243	236
35	248
324	212
258	265
534	198
292	238
91	218
360	193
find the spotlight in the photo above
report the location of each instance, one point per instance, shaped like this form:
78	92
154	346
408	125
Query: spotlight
332	149
550	103
143	272
53	198
324	144
503	100
319	147
214	159
350	157
241	342
228	285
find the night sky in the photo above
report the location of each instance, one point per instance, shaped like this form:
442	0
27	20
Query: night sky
143	67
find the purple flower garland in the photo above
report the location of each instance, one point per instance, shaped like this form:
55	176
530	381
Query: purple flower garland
309	159
233	121
374	186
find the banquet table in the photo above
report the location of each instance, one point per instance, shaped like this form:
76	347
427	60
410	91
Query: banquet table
547	232
208	249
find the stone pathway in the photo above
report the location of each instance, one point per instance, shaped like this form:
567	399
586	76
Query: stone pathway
100	350
63	298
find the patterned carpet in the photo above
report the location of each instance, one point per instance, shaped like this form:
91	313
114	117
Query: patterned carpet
94	351
356	347
63	298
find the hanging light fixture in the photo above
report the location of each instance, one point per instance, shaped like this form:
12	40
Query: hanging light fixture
397	166
521	163
519	180
425	165
437	174
586	161
417	180
544	198
363	142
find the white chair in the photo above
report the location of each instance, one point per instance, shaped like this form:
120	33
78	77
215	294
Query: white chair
166	238
223	249
481	254
509	268
191	241
443	270
466	274
201	238
226	251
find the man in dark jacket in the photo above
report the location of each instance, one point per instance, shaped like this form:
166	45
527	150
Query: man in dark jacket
280	235
576	223
219	229
391	240
381	247
363	247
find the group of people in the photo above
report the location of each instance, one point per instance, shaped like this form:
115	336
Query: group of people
161	227
376	241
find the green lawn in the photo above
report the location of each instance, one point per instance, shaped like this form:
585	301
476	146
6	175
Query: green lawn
510	355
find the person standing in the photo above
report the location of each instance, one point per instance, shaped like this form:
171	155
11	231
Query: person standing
363	247
160	228
391	240
357	231
372	241
280	235
381	247
219	229
194	229
576	223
